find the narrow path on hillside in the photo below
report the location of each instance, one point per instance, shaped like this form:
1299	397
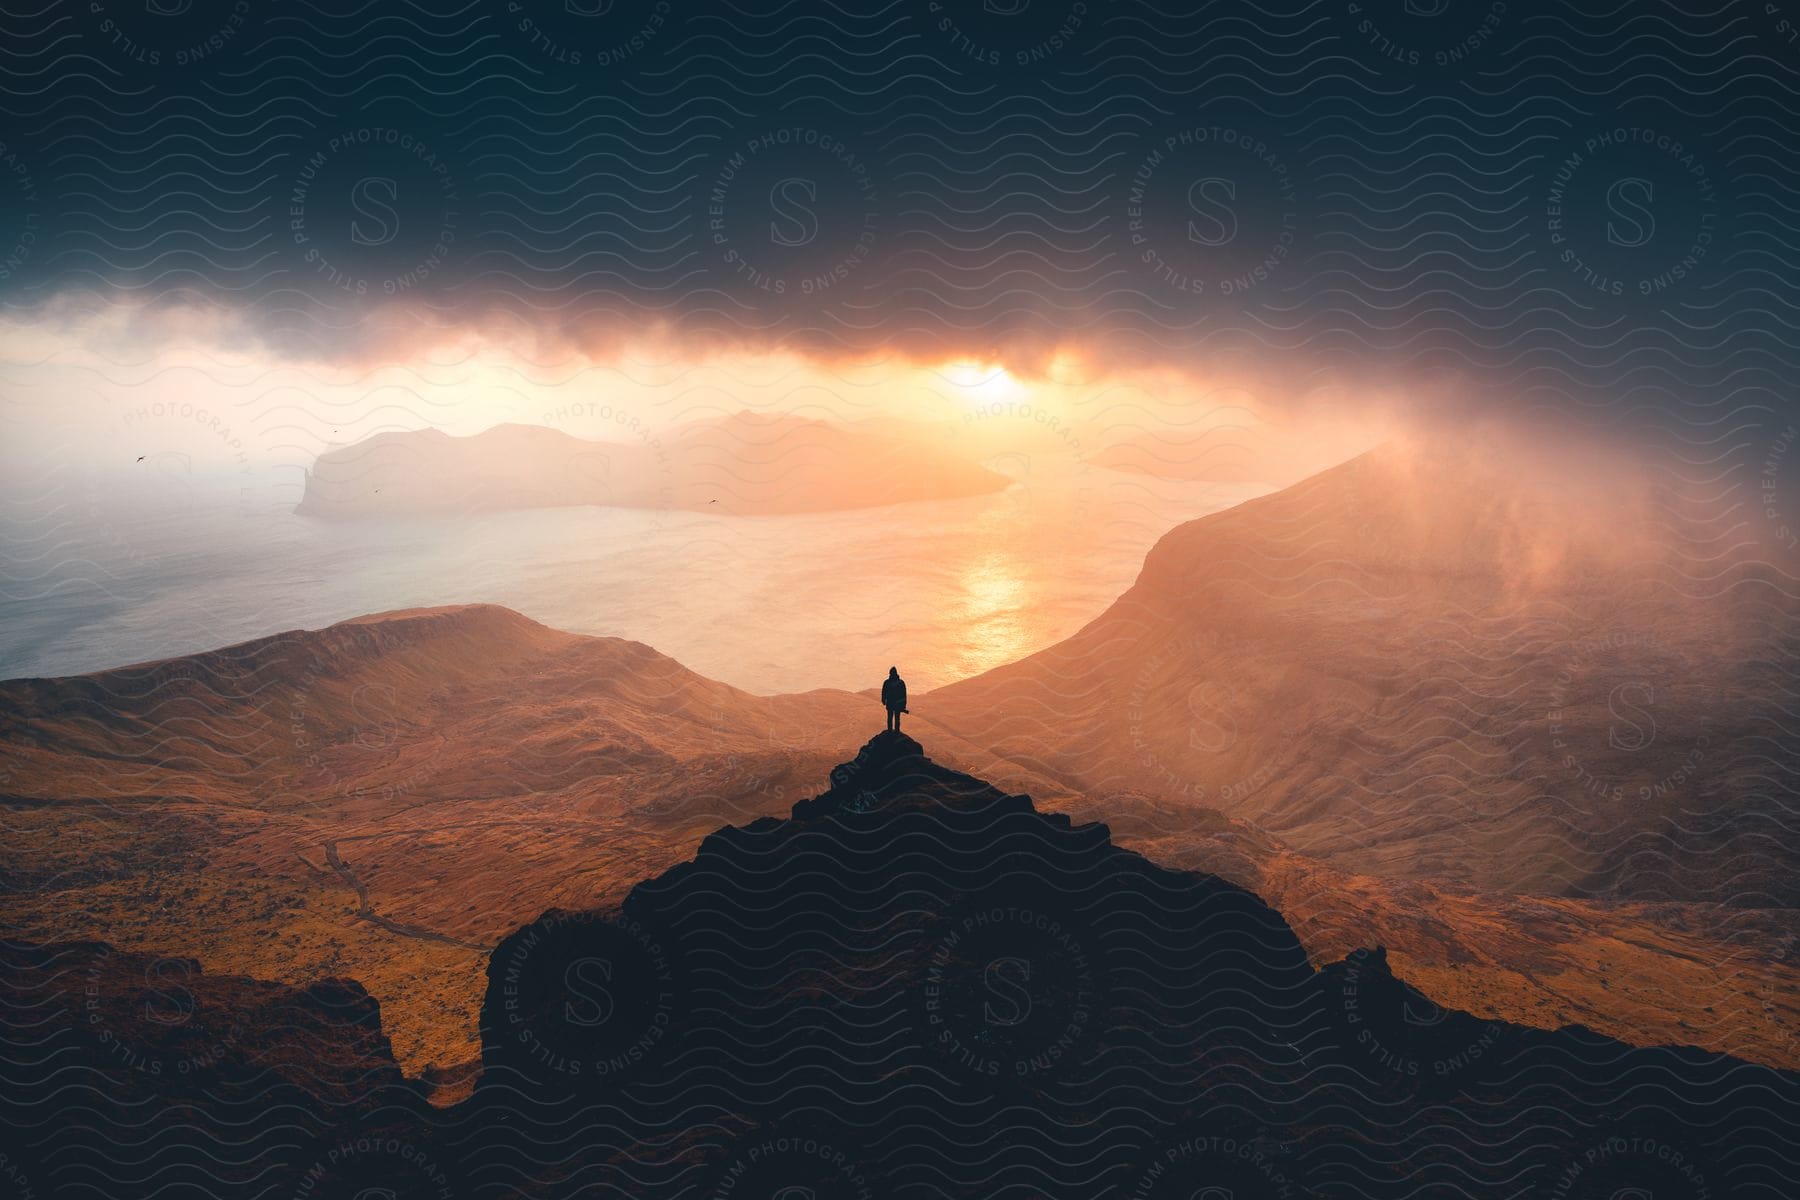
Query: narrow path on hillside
367	912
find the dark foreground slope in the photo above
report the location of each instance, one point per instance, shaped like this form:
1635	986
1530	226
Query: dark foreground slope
920	985
128	1075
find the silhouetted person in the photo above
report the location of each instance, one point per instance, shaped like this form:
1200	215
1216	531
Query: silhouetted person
893	697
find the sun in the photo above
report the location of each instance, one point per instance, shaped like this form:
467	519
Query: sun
979	383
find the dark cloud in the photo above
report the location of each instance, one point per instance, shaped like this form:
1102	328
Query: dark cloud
1582	208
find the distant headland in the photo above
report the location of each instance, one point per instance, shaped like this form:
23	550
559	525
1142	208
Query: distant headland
745	464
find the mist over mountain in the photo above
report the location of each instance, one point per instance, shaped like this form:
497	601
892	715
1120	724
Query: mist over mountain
744	463
1517	670
1225	452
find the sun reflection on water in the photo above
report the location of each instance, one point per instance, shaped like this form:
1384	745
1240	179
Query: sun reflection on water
994	609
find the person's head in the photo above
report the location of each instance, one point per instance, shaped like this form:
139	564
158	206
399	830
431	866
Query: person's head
893	670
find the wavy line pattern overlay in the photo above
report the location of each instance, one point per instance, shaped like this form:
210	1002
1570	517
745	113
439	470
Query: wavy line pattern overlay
1426	826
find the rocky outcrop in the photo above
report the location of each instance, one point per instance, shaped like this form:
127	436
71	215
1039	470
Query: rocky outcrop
919	980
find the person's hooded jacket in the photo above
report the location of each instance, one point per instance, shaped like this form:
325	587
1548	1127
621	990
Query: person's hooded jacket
893	691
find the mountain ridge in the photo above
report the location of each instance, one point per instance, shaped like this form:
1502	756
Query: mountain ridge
200	787
288	807
1443	663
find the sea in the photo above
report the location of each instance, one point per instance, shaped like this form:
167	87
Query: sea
101	577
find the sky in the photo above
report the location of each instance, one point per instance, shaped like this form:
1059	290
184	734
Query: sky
1332	209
